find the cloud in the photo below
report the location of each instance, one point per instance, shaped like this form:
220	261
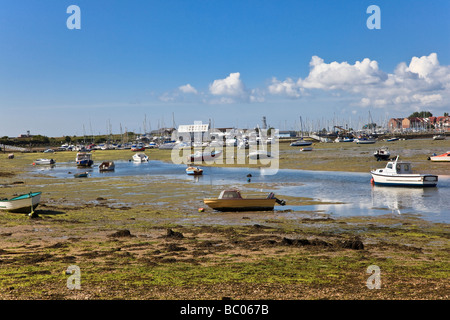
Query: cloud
231	86
289	88
335	75
422	82
187	88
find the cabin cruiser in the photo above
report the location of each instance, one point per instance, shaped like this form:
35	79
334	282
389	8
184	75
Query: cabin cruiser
398	173
84	159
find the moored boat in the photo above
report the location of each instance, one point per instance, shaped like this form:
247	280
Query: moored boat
194	171
231	200
259	154
81	175
84	159
306	149
441	157
204	156
365	140
107	166
397	173
439	137
301	143
140	157
382	154
137	147
392	139
43	161
24	203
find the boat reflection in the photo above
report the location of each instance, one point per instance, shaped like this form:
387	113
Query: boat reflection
409	200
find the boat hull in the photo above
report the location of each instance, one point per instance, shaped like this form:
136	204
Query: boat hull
240	204
85	163
301	143
21	204
405	180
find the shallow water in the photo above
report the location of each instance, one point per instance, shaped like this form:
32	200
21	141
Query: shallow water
351	193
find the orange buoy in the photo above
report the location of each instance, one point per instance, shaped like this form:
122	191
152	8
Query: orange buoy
372	182
201	210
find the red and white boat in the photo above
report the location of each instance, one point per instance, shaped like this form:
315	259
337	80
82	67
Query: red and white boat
441	157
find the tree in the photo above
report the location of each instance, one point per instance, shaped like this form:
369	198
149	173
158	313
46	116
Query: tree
67	139
421	114
445	114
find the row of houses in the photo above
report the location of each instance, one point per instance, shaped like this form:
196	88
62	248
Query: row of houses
419	124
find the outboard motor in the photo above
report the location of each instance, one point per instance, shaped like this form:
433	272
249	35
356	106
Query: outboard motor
280	202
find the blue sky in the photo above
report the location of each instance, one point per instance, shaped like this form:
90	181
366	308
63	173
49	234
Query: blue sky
229	61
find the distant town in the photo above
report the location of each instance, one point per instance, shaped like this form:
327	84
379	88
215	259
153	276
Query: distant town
416	125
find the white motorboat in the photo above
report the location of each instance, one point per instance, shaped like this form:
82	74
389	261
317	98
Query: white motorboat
365	141
441	157
24	203
259	154
306	149
43	161
204	156
140	157
382	154
397	173
439	137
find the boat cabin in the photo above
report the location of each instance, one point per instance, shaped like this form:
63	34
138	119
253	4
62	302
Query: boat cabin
230	194
397	167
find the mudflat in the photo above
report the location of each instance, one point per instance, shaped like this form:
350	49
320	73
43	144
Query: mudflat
145	238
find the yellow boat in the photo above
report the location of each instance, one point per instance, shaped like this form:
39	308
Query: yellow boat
231	200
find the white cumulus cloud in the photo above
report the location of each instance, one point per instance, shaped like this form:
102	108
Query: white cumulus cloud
230	86
187	88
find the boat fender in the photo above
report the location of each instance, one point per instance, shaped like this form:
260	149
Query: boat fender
372	182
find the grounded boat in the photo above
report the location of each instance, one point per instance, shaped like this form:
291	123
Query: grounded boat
107	166
392	139
81	175
301	143
259	154
138	147
306	149
344	139
382	154
365	141
398	173
231	200
84	159
43	161
439	137
204	156
24	203
441	157
140	157
194	171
